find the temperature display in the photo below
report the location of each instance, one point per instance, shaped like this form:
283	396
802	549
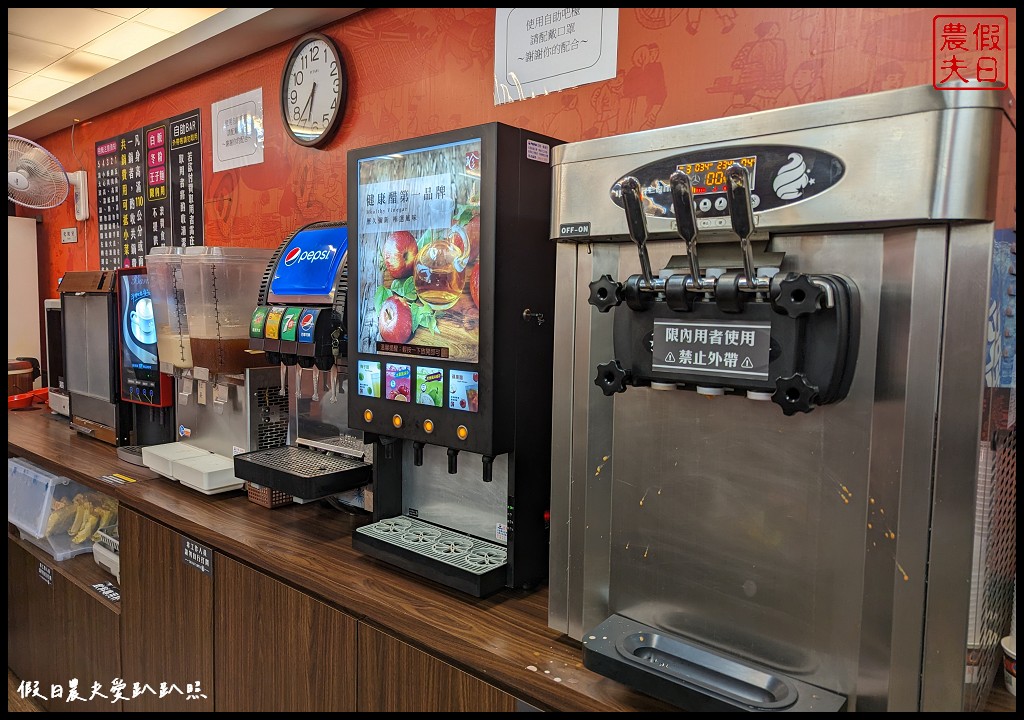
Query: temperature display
709	176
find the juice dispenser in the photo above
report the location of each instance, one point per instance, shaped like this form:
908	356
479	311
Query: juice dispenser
299	323
450	343
784	367
224	406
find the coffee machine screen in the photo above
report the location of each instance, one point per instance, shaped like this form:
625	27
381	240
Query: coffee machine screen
141	381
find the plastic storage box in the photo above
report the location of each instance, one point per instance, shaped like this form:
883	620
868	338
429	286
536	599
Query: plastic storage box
44	507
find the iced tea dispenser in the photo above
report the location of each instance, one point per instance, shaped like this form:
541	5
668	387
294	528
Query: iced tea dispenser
221	287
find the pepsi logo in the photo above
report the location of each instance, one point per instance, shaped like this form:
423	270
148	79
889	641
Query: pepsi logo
297	254
307	321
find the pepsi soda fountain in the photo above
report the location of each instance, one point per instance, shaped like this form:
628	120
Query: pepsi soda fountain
142	384
450	345
299	323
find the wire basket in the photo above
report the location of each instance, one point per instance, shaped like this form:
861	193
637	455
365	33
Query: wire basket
109	538
266	497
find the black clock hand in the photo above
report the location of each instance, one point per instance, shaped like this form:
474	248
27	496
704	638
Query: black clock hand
309	103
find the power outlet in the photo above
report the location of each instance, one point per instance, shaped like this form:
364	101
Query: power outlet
69	235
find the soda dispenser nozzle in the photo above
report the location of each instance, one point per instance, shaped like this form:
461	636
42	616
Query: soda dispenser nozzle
453	463
417	453
488	462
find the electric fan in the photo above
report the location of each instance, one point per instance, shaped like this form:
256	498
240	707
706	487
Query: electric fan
36	178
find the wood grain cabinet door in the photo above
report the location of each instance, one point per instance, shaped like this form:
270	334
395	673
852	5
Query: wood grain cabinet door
88	650
278	649
32	628
167	617
396	677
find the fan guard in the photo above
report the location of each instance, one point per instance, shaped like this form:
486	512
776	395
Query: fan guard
35	177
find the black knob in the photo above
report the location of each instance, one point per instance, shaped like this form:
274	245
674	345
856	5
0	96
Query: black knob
794	394
605	293
611	378
795	295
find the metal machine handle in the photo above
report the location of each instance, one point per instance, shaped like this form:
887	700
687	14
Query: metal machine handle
636	223
741	214
686	220
83	430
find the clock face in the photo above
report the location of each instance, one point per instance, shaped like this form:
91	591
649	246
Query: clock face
313	90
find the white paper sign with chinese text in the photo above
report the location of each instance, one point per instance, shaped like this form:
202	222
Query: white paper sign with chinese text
238	131
542	50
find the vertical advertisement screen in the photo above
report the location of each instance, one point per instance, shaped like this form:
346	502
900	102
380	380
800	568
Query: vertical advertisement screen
418	231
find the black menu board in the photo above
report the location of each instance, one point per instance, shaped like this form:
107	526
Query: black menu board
149	185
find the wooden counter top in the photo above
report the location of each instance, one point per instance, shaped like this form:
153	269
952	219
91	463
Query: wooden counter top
503	639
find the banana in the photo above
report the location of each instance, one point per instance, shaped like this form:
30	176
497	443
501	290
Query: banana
105	516
60	519
87	529
82	510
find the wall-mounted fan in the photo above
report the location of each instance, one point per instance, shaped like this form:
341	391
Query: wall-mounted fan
37	179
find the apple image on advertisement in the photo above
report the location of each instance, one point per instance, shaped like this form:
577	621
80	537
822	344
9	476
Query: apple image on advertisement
399	254
395	320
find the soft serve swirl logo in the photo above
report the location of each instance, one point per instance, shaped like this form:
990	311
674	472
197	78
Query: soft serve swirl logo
792	178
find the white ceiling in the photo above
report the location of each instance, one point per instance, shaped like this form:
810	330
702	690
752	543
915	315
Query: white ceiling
187	47
51	49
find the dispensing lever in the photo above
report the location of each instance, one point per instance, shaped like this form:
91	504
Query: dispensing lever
453	462
742	216
686	220
636	223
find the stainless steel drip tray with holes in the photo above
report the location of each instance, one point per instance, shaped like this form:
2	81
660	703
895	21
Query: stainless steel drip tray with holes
693	676
302	472
461	561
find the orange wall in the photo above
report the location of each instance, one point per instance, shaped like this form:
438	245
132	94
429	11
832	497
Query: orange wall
418	71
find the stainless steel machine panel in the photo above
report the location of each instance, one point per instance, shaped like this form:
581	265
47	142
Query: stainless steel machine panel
87	325
831	546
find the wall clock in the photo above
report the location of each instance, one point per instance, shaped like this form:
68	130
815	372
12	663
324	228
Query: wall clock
314	87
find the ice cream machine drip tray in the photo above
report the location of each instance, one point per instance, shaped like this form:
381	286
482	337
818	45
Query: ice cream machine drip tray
694	677
464	562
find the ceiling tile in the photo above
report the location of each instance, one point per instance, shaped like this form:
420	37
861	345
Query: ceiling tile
122	12
16	105
175	19
15	76
126	40
71	27
37	88
32	56
77	66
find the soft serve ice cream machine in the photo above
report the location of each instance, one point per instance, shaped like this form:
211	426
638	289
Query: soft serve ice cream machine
770	421
450	342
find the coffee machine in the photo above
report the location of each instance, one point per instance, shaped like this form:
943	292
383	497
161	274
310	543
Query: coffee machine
780	370
449	339
141	383
225	396
298	322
